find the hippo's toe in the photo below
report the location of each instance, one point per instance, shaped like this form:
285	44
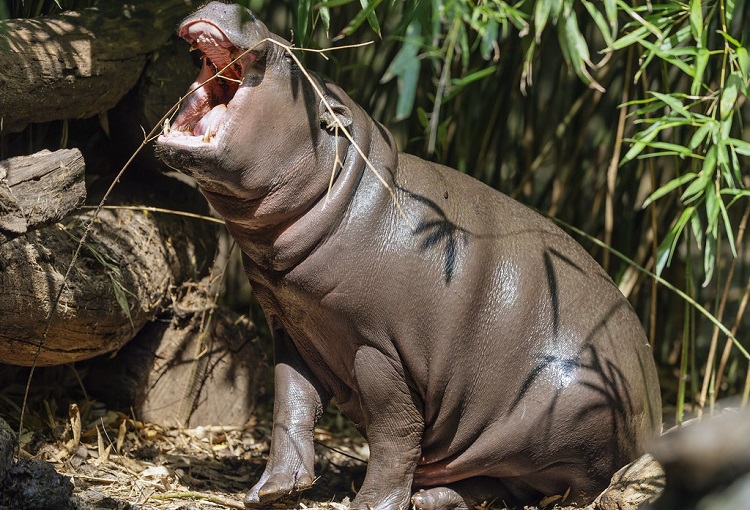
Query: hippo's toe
438	498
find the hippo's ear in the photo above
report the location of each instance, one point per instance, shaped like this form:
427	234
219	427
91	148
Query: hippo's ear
341	114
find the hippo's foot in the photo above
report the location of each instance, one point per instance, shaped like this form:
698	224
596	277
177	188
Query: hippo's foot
438	498
461	495
273	486
397	499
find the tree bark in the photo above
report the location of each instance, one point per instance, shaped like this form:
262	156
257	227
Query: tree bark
79	64
123	277
39	189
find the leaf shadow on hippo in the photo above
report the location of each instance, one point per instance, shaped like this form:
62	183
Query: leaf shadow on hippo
480	350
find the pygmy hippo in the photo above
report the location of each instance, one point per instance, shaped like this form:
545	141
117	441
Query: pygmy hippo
480	350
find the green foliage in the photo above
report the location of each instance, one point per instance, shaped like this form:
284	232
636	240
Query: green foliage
694	119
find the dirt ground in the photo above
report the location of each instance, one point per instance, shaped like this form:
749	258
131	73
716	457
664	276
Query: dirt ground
111	461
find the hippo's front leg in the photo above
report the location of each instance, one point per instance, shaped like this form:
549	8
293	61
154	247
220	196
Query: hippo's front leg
299	402
394	430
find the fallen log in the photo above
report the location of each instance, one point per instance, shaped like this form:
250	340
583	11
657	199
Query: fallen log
79	64
122	279
39	189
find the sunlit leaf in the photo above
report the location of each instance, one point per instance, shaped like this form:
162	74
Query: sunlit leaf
701	61
712	207
668	245
543	11
729	11
669	187
743	60
372	18
325	17
696	20
605	28
729	95
303	16
709	258
697	228
674	103
740	146
365	14
727	227
700	134
405	66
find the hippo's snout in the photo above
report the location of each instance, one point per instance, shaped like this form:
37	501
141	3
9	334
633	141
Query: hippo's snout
231	41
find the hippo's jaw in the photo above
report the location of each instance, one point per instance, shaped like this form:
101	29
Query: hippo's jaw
226	72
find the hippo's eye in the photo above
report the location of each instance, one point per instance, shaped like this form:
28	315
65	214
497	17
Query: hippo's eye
290	63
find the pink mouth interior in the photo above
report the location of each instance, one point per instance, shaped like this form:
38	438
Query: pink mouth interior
203	111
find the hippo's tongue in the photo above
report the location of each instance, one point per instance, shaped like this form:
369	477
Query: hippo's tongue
209	124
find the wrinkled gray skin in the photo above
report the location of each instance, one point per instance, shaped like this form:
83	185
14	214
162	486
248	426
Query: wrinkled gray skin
481	351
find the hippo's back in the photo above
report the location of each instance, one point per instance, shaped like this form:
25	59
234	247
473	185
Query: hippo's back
556	379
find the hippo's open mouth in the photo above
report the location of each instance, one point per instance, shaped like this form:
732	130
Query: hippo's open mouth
205	110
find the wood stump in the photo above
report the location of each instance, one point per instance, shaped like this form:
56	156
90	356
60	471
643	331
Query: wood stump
201	366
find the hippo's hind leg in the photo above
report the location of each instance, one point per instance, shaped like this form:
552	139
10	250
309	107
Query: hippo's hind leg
463	495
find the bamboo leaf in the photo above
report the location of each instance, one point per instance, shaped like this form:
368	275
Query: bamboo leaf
712	208
700	135
605	28
727	227
610	7
669	187
740	146
701	61
696	189
303	15
729	6
697	227
729	38
696	21
405	66
669	58
489	37
668	245
542	10
577	45
474	76
709	258
631	38
367	11
743	60
729	95
325	17
674	103
671	148
641	141
372	18
724	166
